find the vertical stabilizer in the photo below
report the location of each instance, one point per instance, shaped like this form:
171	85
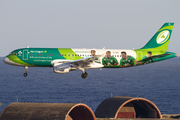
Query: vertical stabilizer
160	41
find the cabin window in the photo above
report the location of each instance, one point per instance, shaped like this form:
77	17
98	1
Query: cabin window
113	55
68	54
57	54
117	55
72	54
32	54
35	54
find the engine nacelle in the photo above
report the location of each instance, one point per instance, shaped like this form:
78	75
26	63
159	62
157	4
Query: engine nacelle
63	68
58	61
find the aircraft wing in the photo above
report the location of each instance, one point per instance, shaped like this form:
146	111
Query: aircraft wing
82	64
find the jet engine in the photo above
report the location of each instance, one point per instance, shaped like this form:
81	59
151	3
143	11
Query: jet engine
63	67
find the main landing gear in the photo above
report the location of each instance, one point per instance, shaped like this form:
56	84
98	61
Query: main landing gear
84	75
26	69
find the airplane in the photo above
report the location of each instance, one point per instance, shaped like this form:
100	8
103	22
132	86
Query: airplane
64	60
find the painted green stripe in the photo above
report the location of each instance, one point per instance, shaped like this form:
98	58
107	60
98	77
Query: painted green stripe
70	54
166	28
15	59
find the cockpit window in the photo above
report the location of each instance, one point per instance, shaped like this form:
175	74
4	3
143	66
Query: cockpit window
13	53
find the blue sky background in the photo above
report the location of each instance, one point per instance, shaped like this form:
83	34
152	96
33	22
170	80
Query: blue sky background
115	24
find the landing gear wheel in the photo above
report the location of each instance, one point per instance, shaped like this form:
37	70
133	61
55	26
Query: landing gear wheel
26	69
84	75
25	74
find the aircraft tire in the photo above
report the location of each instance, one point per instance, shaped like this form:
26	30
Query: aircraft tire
84	75
25	74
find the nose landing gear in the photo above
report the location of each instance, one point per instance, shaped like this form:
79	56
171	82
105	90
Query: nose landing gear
25	74
26	69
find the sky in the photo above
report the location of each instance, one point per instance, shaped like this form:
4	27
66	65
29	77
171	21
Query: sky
113	24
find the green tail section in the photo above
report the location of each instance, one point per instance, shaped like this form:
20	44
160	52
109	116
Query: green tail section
161	39
158	44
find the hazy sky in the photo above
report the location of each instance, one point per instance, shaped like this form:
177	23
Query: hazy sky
115	24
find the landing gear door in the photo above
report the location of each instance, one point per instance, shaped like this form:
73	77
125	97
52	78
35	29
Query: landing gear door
25	54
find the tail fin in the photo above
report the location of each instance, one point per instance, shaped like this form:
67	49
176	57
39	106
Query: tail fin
160	41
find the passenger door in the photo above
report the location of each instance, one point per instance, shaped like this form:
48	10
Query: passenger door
25	54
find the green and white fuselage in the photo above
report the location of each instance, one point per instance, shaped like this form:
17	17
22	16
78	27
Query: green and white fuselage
43	57
54	57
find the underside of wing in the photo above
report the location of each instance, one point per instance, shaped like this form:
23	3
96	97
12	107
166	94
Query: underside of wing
67	66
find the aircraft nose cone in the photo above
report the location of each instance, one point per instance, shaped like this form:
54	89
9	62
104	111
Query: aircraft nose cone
6	60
